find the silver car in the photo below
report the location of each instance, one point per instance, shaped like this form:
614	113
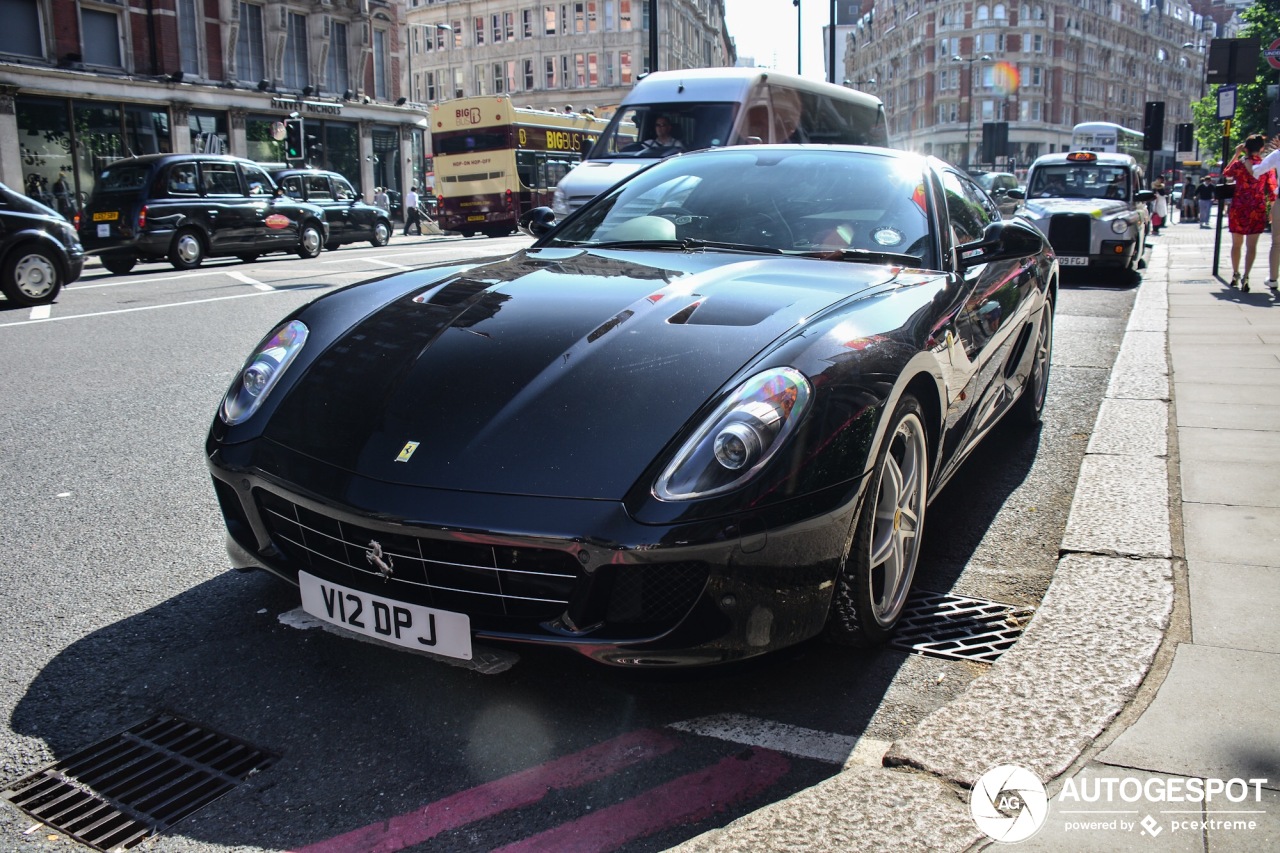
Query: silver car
1091	206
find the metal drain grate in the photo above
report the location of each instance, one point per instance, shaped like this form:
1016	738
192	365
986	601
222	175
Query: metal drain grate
959	628
122	790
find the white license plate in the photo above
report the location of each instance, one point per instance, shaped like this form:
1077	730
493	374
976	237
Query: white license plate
411	626
1073	261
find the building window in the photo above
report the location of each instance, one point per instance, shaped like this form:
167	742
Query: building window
551	80
624	67
510	70
499	79
496	22
565	73
608	69
482	80
610	15
548	20
477	27
100	38
526	23
250	65
459	84
593	16
456	26
296	69
380	59
339	72
624	19
579	18
189	36
509	25
529	82
22	34
430	79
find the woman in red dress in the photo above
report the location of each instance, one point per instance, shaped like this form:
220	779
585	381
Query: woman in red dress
1248	215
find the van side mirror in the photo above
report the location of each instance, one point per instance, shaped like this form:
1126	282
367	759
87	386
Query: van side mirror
538	221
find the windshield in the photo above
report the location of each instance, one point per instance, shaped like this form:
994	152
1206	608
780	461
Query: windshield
659	130
1071	180
794	201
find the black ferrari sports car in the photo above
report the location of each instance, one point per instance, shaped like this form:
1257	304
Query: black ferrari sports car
700	419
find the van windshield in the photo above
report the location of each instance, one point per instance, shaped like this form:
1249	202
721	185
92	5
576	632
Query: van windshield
660	130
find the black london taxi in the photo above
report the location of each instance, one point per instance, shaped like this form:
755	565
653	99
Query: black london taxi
188	207
39	250
350	219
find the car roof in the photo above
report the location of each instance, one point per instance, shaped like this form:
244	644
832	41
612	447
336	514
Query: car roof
160	159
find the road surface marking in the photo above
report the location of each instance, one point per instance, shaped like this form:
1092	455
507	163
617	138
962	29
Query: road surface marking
40	312
241	277
844	750
155	307
511	792
688	799
387	264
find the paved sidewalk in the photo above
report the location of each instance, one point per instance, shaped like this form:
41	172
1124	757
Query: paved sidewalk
1154	659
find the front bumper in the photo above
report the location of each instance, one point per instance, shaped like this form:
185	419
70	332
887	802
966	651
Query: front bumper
577	574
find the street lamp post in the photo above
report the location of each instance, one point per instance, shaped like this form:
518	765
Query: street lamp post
796	3
968	131
849	84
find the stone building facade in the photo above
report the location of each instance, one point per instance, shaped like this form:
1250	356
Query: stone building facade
582	53
1042	66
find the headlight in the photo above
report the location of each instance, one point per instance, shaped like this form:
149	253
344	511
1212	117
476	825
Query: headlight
1119	226
262	371
739	437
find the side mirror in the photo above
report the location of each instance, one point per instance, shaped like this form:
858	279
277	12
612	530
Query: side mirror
1016	192
1007	239
538	221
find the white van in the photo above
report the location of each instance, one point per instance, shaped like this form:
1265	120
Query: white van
710	107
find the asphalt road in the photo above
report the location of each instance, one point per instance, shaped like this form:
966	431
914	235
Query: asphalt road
118	606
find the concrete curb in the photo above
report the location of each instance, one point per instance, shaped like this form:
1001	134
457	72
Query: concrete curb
1081	660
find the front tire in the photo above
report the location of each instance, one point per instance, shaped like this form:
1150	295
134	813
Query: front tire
31	277
119	264
187	251
310	241
381	234
880	565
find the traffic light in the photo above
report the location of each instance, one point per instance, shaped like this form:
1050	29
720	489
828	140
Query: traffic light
1153	126
1186	139
293	139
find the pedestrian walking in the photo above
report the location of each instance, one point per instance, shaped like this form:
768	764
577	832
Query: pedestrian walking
1159	205
1189	212
1247	217
382	200
1204	199
1270	164
411	219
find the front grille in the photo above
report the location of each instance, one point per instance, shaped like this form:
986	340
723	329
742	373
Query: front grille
661	592
448	573
1069	233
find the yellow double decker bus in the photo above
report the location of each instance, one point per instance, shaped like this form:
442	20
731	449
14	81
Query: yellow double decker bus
494	161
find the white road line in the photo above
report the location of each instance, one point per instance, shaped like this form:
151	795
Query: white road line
792	740
153	307
387	264
148	280
41	312
239	276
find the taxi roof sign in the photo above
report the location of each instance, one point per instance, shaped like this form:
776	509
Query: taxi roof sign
1082	157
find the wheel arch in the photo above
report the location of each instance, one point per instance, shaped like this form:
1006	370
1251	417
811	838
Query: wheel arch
32	238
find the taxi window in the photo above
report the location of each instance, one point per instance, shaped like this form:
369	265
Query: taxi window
292	186
318	187
259	182
182	179
343	190
221	179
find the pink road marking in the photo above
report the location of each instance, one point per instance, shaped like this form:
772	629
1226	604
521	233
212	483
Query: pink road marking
688	799
511	792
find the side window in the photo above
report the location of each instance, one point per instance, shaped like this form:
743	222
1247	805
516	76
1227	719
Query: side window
318	188
969	209
258	181
220	179
343	190
293	186
182	179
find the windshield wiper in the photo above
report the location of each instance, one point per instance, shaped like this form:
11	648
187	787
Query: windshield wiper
685	245
866	255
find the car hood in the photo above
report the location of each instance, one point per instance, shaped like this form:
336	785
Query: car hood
556	372
1098	208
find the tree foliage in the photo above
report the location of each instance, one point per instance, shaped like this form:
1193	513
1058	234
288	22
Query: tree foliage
1253	107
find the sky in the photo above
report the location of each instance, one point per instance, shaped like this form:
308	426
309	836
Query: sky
766	30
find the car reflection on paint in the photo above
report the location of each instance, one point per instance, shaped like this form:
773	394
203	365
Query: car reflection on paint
700	419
